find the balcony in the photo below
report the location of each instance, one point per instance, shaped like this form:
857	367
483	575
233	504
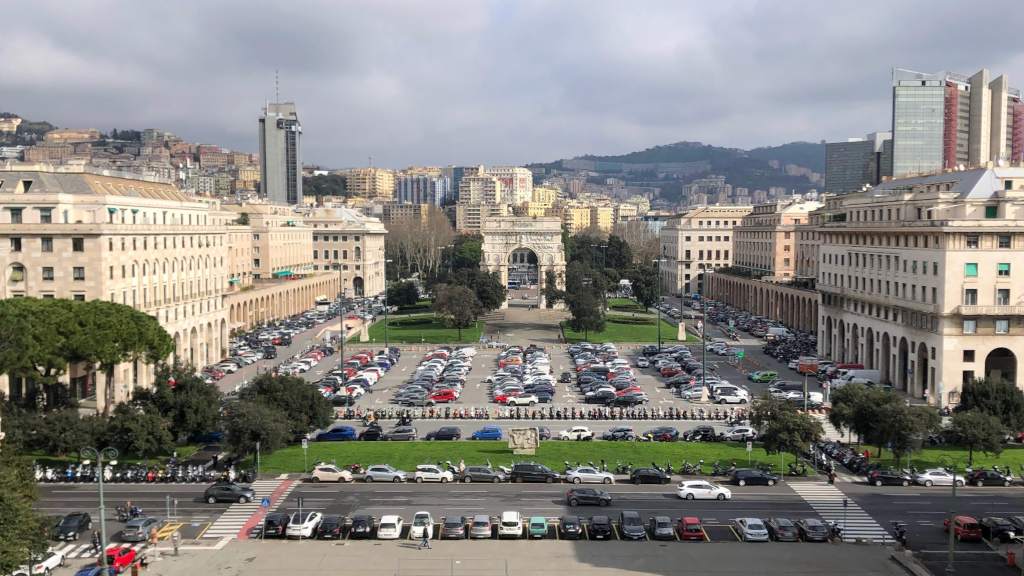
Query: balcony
967	310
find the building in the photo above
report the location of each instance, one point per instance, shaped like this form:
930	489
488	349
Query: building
9	124
470	217
350	245
697	240
281	154
70	135
393	212
423	189
370	183
49	152
625	211
516	182
918	279
576	217
281	241
545	195
944	120
602	217
480	189
858	161
765	241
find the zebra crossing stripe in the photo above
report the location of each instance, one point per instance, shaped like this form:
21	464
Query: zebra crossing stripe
827	501
232	520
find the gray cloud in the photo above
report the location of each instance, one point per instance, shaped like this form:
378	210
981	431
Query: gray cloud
489	82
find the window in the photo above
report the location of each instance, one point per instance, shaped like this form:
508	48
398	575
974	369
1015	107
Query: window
1002	326
1003	269
970	326
78	273
48	273
971	269
968	355
991	211
16	215
968	377
316	254
935	268
78	245
972	240
46	215
700	238
1003	297
46	244
79	297
971	297
1004	241
15	244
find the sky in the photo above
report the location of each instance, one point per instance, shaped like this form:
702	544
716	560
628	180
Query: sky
439	82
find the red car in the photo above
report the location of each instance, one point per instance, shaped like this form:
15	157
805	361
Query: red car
503	398
120	558
625	391
669	371
689	528
447	395
965	529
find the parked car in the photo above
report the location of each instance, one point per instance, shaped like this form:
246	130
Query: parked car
432	473
229	492
330	527
995	528
42	564
812	530
576	433
487	433
938	477
511	525
482	474
588	475
619	433
600	527
690	528
751	529
763	376
782	529
538	527
137	529
445	433
745	477
966	528
702	490
578	496
275	525
660	528
987	478
69	527
661	434
631	526
570	527
338	433
422	524
649	476
304	525
371	433
330	473
889	477
532	472
390	527
362	526
453	527
401	433
384	473
740	434
120	558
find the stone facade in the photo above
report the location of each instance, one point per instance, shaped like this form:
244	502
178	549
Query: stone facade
543	236
694	241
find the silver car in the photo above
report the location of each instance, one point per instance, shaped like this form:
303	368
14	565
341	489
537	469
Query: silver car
480	527
751	529
137	529
588	475
384	473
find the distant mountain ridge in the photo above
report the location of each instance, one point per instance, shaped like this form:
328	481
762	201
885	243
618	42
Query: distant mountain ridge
807	154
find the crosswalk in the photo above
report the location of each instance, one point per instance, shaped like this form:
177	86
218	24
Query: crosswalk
827	501
233	520
76	550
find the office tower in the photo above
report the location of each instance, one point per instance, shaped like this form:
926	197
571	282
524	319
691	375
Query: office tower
858	161
280	158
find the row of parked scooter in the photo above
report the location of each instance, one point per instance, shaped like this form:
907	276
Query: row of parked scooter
729	416
87	472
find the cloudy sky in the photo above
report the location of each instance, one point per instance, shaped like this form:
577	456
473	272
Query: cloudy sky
451	82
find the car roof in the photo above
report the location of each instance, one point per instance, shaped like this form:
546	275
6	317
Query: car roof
813	522
390	518
630	513
691	520
600	519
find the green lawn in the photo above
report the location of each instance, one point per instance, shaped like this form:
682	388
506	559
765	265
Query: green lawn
625	305
1012	456
417	328
419	307
44	459
625	328
406	455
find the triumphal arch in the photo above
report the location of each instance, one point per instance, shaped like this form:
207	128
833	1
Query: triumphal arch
522	250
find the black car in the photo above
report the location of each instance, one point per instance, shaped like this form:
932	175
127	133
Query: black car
543	433
577	496
362	526
69	527
228	492
662	434
1018	524
782	530
565	377
602	397
454	526
445	433
701	434
987	478
649	350
631	526
660	528
372	433
628	401
481	474
889	477
996	528
571	527
531	472
330	527
600	528
812	530
649	476
275	525
619	433
747	477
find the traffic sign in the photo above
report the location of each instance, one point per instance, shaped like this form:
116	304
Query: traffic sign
299	501
750	446
732	323
265	503
305	443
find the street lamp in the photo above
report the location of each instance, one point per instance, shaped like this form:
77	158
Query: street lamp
950	465
94	454
386	262
657	262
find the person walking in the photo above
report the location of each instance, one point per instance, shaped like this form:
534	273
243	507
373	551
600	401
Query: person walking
95	542
425	542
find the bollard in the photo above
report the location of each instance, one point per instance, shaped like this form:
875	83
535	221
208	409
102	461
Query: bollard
175	541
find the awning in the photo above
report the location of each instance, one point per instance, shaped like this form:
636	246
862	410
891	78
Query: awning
282	273
234	280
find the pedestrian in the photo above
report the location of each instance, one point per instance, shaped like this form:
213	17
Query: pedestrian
425	542
95	542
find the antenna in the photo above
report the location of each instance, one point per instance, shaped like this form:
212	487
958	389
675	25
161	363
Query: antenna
277	88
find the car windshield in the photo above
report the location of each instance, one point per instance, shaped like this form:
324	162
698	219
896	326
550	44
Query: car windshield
663	524
481	523
631	521
387	526
453	523
693	527
970	526
420	521
510	523
755	526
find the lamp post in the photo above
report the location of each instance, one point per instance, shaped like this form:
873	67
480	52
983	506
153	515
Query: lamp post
98	454
657	262
951	467
386	262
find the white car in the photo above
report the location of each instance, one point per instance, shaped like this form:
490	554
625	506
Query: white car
727	395
938	477
390	527
702	490
523	400
589	475
511	525
330	473
751	529
422	523
432	473
227	367
304	525
739	434
44	564
576	433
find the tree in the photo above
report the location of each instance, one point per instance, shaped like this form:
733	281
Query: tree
466	251
36	339
23	531
457	306
619	255
324	185
248	423
135	430
403	293
587	311
301	405
783	428
489	290
644	281
998	398
860	409
552	294
192	404
904	428
978	430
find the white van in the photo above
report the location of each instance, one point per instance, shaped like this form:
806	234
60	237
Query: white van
856	376
511	525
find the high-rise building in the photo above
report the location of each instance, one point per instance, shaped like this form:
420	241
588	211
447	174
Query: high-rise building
697	240
480	189
423	189
858	161
280	157
516	182
943	120
372	183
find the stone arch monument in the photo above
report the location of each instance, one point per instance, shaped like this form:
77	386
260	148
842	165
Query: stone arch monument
505	235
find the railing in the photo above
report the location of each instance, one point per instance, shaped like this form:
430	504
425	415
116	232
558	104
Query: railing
970	310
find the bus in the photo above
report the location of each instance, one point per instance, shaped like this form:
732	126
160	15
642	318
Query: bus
323	304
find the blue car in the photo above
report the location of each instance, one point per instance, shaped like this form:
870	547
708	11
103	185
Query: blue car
487	433
337	434
95	570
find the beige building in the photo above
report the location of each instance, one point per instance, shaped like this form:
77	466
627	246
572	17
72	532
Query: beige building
480	189
470	217
575	217
516	182
765	241
919	279
602	217
545	194
374	183
350	245
71	135
282	243
697	240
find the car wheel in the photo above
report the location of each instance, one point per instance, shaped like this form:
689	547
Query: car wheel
689	496
444	479
742	482
314	479
928	483
209	500
577	480
76	537
519	480
878	482
979	483
906	483
369	478
396	479
1006	482
46	572
243	499
605	502
607	481
573	502
721	496
771	482
418	480
549	480
959	483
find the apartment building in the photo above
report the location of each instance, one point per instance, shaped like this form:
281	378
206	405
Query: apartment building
470	217
370	183
516	182
480	189
697	240
350	245
281	241
765	241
